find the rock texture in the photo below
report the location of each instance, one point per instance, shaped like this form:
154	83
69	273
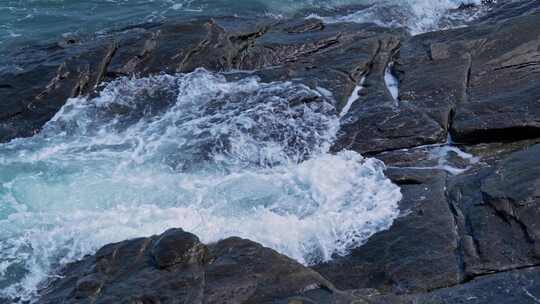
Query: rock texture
329	56
462	140
510	287
497	211
398	260
176	268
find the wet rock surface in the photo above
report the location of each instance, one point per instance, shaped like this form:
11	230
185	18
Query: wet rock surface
461	140
328	56
398	260
176	268
521	286
499	217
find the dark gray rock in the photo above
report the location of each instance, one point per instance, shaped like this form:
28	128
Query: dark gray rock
332	57
418	253
376	122
501	11
497	211
175	247
481	82
46	76
520	286
443	157
452	229
504	95
464	238
460	239
176	268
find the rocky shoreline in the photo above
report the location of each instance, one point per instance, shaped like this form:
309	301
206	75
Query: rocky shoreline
462	140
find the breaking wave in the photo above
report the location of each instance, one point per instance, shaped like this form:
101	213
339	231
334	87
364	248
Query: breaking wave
216	157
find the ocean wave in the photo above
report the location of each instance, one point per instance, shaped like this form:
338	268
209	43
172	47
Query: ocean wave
215	157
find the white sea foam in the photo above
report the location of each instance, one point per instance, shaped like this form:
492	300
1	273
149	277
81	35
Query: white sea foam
355	95
215	157
392	83
442	154
418	16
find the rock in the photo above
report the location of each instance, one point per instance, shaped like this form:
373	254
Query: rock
501	105
463	238
478	82
46	76
497	210
386	128
520	286
460	81
88	286
501	11
376	122
445	157
175	247
480	222
432	78
176	268
419	251
332	57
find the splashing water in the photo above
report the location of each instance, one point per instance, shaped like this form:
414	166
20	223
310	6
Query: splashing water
218	158
418	16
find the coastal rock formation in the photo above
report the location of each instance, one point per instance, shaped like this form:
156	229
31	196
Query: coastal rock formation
398	260
497	211
461	139
328	56
176	268
478	84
